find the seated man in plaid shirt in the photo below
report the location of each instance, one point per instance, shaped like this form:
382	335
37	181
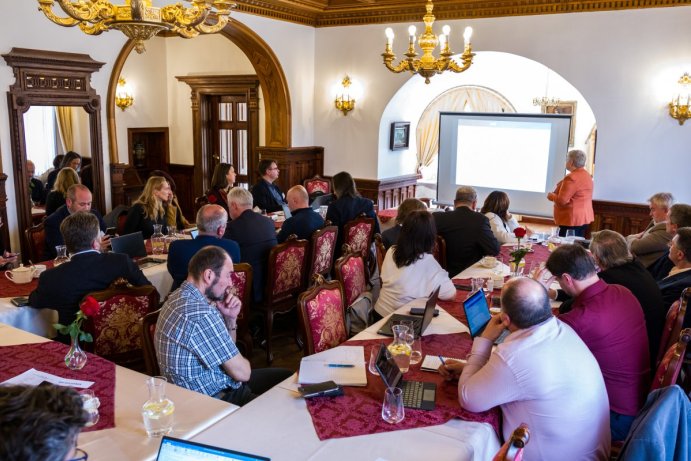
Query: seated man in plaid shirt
195	335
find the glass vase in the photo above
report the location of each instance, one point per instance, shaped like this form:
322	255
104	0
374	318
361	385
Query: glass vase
158	240
76	357
517	269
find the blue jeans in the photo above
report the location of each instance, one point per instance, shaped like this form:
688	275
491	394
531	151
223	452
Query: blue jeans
619	425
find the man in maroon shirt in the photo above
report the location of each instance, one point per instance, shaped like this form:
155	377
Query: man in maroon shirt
610	321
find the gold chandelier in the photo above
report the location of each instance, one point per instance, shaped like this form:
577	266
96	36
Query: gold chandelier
428	65
680	107
138	20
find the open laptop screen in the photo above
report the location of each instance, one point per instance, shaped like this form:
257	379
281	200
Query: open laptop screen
476	312
129	244
173	449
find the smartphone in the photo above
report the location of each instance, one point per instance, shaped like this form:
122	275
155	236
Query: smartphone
20	301
111	231
325	389
462	287
421	311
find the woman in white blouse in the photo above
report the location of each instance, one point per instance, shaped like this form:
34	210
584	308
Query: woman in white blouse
409	270
496	208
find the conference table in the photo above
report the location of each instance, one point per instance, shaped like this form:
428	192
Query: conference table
40	321
127	440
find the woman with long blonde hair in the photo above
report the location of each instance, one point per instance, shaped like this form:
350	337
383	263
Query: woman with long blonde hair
56	198
149	208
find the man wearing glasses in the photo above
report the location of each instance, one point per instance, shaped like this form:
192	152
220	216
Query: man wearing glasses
680	276
267	196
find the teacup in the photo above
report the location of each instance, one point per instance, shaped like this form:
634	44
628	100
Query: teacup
39	269
20	274
488	261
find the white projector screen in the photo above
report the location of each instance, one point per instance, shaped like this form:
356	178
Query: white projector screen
523	155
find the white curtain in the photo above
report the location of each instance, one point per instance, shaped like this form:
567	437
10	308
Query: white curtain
65	127
460	99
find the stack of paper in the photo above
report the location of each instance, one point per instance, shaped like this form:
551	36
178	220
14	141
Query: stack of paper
432	362
345	365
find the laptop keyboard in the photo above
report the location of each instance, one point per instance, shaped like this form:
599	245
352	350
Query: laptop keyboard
412	394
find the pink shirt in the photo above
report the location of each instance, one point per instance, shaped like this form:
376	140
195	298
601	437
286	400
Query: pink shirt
546	377
609	319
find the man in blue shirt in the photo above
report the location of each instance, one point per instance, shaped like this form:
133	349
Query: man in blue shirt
196	332
211	222
304	220
266	195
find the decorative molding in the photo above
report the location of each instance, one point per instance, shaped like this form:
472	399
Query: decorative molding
4	230
361	12
388	192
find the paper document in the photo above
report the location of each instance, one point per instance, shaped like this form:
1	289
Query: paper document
345	365
432	362
34	377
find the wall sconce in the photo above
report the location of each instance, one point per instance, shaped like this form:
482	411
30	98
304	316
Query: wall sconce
680	107
123	94
344	101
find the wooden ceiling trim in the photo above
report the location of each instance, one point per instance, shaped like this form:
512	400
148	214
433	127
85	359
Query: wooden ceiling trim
360	12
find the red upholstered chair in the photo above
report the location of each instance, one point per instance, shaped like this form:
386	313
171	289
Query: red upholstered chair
322	249
670	366
358	235
242	288
285	279
673	323
439	251
36	242
512	450
116	328
317	186
380	252
321	316
148	329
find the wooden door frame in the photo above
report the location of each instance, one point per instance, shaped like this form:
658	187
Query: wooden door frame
219	85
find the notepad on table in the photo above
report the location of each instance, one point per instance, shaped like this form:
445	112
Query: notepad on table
334	365
432	362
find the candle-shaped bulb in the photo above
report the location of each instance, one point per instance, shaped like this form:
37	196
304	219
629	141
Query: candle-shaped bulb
389	35
442	41
467	34
411	31
446	30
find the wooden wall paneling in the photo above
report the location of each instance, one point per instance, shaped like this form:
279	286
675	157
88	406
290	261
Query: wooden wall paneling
625	218
388	192
4	230
183	175
296	163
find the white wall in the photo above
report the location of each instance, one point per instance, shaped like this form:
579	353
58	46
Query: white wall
625	64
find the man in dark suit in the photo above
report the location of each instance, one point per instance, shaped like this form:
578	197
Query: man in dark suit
679	215
35	185
679	277
63	287
255	234
304	220
78	199
211	222
265	194
467	233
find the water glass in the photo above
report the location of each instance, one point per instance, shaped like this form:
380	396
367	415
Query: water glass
374	352
415	349
61	251
392	410
570	235
489	284
476	284
90	404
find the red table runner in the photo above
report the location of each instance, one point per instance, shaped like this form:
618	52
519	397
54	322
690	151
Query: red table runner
358	412
9	289
49	357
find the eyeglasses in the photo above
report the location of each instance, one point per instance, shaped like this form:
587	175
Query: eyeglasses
80	455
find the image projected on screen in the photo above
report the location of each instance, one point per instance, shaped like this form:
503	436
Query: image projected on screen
506	155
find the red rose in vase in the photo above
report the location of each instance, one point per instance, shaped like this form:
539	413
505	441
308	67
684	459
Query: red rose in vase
90	306
519	232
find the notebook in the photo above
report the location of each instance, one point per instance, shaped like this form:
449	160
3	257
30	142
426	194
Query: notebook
344	365
420	324
173	449
477	315
416	394
130	244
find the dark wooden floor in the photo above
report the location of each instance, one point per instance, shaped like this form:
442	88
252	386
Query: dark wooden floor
285	349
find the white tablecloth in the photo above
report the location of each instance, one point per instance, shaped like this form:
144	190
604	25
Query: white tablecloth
127	440
40	321
278	425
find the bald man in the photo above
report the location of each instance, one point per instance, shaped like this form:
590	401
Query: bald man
304	220
35	185
543	373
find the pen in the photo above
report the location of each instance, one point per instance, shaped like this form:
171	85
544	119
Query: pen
442	360
340	365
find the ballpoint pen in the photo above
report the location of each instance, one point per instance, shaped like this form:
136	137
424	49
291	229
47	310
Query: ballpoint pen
340	365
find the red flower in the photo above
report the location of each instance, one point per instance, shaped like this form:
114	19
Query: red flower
90	306
211	198
519	232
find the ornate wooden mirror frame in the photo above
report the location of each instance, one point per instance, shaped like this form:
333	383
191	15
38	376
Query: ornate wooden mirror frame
49	78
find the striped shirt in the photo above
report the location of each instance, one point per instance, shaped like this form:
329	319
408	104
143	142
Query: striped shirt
192	342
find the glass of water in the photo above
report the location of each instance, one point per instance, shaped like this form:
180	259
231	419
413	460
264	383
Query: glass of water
570	235
392	410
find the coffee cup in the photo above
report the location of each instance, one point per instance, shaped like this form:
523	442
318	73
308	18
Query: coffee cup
488	261
20	274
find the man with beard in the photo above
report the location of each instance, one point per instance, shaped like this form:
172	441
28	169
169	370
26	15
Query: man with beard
196	332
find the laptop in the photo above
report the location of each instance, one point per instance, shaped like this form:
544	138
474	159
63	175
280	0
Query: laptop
286	211
130	244
173	449
477	315
322	200
194	232
420	324
416	394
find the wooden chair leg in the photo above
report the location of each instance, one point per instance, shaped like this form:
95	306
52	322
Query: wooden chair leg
269	316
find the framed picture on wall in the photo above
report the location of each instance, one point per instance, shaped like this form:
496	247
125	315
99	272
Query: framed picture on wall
564	108
400	135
